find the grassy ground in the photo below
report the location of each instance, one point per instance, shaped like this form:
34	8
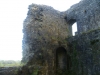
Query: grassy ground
9	63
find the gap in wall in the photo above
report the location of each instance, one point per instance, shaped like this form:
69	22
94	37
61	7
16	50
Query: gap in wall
74	29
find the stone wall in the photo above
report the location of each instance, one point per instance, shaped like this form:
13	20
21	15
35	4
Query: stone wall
45	30
49	48
86	14
85	53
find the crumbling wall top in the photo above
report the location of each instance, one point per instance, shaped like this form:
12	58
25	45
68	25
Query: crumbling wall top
86	13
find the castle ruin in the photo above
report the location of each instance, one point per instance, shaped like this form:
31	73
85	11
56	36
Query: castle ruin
49	47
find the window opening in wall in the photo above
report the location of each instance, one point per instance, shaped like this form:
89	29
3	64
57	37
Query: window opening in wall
74	29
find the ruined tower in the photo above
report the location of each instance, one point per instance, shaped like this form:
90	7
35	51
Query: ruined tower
49	47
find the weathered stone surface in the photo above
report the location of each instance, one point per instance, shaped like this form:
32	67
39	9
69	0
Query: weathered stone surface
86	13
42	27
47	47
8	70
85	53
45	30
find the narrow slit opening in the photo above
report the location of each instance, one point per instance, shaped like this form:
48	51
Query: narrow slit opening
74	29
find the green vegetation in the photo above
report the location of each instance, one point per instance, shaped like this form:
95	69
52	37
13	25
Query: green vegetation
35	72
10	63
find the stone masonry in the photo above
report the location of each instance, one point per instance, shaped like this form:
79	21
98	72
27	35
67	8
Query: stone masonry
49	47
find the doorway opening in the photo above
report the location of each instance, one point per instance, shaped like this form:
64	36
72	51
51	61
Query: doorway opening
61	60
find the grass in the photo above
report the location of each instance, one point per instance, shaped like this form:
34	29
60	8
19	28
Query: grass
10	63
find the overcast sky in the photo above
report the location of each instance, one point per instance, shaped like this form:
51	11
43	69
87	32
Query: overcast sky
12	14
